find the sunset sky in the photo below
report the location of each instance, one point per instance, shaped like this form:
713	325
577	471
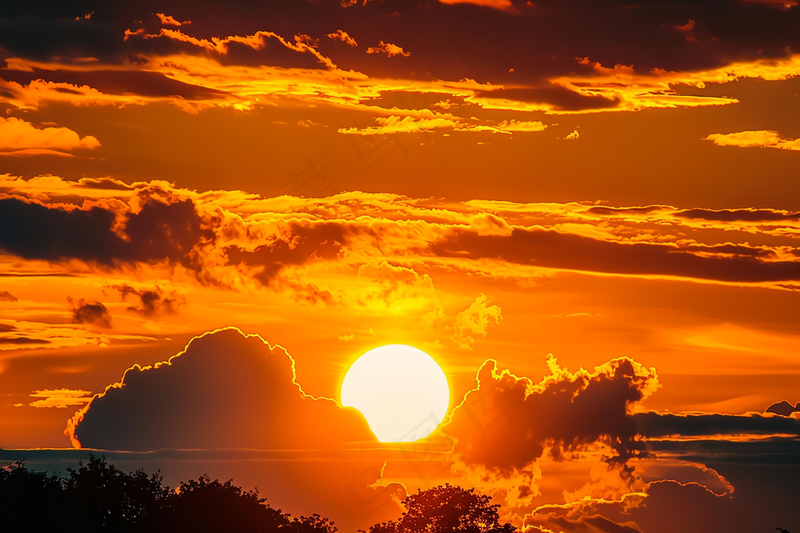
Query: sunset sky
586	212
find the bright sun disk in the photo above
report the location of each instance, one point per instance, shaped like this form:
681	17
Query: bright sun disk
400	390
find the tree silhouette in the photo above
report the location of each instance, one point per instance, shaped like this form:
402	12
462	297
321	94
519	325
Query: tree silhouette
33	500
203	505
446	509
101	497
98	497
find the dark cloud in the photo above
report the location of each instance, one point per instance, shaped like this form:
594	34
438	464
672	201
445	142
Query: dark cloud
744	215
225	390
172	231
31	37
301	245
507	422
153	302
137	82
109	184
783	408
5	328
6	296
617	211
595	523
553	249
539	40
654	425
22	340
560	98
94	313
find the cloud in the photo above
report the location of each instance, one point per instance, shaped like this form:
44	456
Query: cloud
296	245
225	390
507	422
474	321
152	302
409	124
745	215
159	230
20	137
497	4
783	408
573	136
388	49
6	296
93	313
60	398
22	341
595	523
548	248
167	20
340	35
759	138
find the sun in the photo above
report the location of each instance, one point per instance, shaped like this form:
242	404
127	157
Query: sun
400	390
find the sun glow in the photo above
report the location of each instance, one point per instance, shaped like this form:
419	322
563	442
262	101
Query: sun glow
402	392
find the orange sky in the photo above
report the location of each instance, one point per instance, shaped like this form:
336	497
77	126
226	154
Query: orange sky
590	196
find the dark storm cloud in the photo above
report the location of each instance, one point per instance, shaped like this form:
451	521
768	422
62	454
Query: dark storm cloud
552	249
304	244
159	231
94	313
226	390
507	422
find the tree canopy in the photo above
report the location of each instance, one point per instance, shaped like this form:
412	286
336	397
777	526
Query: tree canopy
98	497
446	509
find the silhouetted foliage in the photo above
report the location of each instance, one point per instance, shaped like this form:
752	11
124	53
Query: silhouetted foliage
446	509
103	498
206	505
98	497
32	500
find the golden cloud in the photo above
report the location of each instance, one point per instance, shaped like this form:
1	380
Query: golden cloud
758	138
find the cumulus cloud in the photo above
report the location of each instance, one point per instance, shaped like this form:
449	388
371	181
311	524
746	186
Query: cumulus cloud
225	390
508	422
759	138
388	49
18	137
